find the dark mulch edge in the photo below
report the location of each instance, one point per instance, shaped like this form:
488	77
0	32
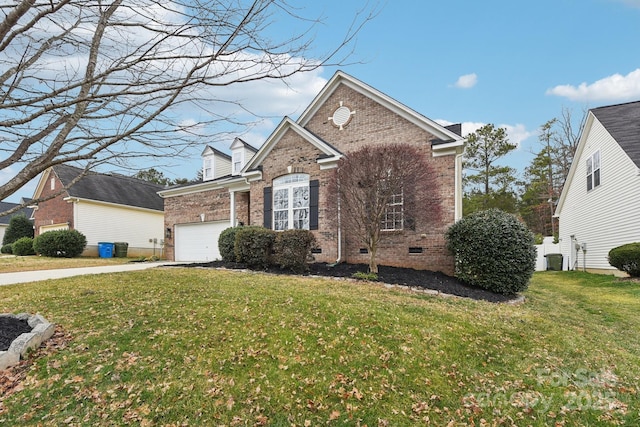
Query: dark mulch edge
10	329
423	279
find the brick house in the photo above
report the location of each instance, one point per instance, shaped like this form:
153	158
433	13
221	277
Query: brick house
103	207
284	183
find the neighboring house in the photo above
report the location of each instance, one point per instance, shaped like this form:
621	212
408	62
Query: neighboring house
599	205
283	185
103	207
4	220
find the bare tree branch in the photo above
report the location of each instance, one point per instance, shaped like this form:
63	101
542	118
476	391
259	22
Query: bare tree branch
95	82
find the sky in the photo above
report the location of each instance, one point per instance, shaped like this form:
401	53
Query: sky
514	64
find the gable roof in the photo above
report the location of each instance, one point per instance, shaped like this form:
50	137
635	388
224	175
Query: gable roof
111	188
622	121
5	206
209	149
243	143
448	138
329	153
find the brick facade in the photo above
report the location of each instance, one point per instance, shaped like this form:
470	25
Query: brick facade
187	209
372	123
53	211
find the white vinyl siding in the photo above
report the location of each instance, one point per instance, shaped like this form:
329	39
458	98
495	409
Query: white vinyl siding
111	223
605	218
222	166
215	166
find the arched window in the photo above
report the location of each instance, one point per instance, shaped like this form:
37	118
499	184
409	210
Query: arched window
291	197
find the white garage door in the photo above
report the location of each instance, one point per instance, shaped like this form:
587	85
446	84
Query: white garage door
199	242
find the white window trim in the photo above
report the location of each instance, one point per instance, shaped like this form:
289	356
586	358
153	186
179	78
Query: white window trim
396	200
289	183
237	157
209	176
591	176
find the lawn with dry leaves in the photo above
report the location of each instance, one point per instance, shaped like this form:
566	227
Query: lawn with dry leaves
168	347
12	263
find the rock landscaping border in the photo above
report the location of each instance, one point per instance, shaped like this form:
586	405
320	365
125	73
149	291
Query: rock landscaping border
41	331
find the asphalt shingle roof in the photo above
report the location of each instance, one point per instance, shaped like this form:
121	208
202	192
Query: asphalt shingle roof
5	206
111	188
622	121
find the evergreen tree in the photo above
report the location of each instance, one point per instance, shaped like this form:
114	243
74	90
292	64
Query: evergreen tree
19	226
487	183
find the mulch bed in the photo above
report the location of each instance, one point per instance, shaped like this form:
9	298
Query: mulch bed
10	329
391	275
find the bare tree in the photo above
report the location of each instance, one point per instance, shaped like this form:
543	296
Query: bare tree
566	136
94	82
548	170
382	189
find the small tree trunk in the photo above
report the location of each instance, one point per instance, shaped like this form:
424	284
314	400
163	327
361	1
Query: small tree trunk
373	265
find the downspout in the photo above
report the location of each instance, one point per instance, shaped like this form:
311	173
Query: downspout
339	249
232	208
458	188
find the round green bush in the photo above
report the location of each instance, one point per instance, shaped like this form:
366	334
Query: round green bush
60	243
292	249
23	246
7	249
626	258
493	250
254	246
226	244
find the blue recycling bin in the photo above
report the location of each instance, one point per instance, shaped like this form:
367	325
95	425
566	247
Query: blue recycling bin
105	249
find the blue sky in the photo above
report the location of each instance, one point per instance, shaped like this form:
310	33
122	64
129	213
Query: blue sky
511	63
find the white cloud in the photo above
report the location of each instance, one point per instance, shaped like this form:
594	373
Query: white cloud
467	81
612	88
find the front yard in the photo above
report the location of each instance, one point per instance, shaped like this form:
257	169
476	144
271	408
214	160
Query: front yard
178	346
11	263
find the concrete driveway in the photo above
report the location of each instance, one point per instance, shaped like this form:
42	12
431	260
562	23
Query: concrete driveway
34	276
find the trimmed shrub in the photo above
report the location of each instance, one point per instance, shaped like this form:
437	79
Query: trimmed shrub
253	246
292	248
626	258
19	226
60	243
23	246
7	249
227	243
493	250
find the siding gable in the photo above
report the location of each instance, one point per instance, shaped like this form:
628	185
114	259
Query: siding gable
606	216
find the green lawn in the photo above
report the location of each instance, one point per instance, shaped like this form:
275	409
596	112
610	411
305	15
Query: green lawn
180	346
11	263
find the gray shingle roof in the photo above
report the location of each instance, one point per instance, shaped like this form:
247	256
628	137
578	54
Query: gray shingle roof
622	121
111	188
5	206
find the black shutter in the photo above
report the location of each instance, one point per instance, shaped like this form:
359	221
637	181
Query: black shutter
314	190
268	207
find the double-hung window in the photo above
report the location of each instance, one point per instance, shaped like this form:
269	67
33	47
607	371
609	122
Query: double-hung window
237	162
593	171
393	218
207	169
291	202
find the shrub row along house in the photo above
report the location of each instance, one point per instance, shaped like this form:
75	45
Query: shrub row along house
598	207
284	184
